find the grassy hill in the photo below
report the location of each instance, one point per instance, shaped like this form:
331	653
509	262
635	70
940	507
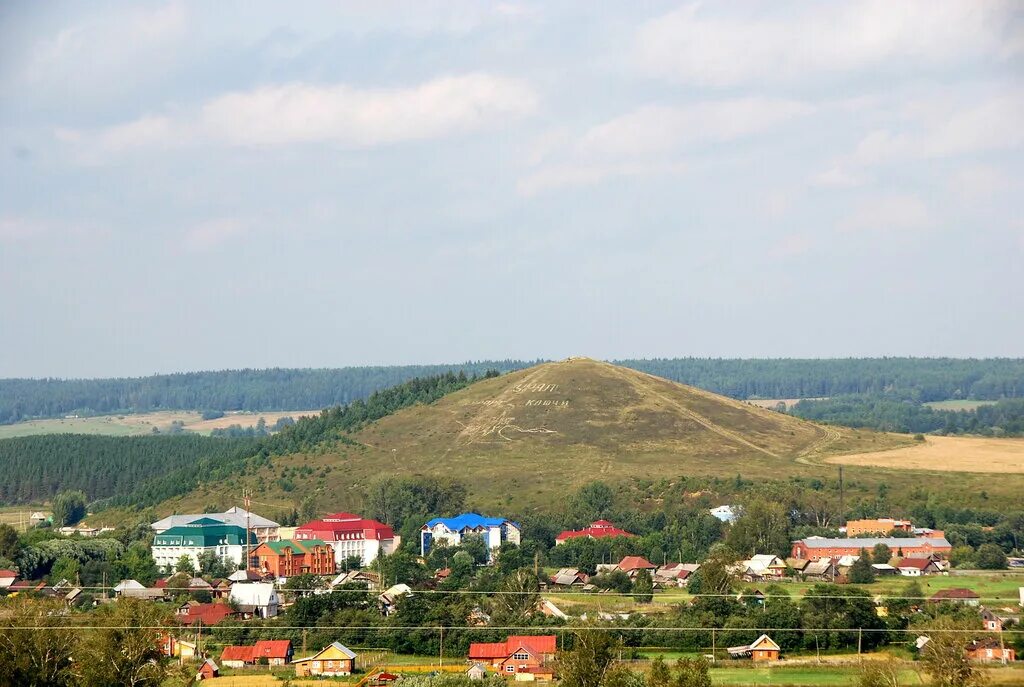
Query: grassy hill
530	436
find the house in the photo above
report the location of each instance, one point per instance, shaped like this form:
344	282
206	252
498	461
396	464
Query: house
990	621
274	652
632	565
208	670
290	557
551	610
450	531
675	574
478	617
226	542
990	649
236	656
959	595
206	614
38	518
763	566
7	578
477	671
350	535
877	527
598	529
884	569
255	599
516	654
363	577
263	528
535	674
332	661
388	600
761	649
173	647
815	548
244	576
823	569
726	514
797	565
570	577
127	585
916	567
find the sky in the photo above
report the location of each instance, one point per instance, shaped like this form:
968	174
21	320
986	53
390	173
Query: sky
189	186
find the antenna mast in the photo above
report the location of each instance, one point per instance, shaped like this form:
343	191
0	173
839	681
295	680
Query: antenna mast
247	496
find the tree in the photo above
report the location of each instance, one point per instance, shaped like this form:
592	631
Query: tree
881	553
185	565
476	547
659	675
301	585
64	568
307	509
124	646
68	508
861	571
592	502
589	660
643	587
212	565
990	557
36	644
714	576
692	672
945	654
763	528
9	543
520	598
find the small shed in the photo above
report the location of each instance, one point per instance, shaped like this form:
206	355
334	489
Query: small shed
208	670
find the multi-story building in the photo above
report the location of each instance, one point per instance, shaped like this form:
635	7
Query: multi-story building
451	531
291	557
262	528
227	542
878	527
815	548
351	535
598	529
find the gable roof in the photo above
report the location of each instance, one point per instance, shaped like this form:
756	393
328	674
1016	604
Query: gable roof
764	642
955	593
330	526
535	644
297	546
596	530
237	653
630	563
232	516
915	563
272	648
209	614
337	646
253	593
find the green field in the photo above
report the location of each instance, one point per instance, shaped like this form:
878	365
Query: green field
135	424
958	405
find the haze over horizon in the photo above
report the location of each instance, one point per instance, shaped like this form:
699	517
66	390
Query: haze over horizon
189	186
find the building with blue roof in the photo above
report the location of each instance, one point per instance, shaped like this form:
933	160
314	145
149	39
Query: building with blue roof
450	531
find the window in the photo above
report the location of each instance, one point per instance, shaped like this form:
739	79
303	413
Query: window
510	669
521	656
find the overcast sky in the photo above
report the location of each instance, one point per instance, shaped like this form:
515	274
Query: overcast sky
220	185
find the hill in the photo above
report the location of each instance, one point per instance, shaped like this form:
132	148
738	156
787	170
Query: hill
527	437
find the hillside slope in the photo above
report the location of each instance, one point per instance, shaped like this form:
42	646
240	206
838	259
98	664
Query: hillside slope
528	436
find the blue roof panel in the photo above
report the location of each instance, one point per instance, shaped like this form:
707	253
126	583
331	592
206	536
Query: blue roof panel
469	520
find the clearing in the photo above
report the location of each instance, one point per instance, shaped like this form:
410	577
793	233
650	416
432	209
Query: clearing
946	454
143	423
958	405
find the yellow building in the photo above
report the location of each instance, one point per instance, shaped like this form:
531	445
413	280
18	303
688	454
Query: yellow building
332	661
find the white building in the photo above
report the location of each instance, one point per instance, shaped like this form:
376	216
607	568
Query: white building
258	599
226	542
451	531
263	528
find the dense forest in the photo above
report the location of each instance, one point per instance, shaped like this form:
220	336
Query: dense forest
915	379
252	390
1003	418
35	468
142	471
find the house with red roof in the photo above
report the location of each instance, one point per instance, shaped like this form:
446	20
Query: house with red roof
207	614
351	535
990	649
632	565
7	578
598	529
517	654
959	595
275	652
236	656
916	567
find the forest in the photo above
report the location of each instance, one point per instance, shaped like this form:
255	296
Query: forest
1003	418
915	379
142	471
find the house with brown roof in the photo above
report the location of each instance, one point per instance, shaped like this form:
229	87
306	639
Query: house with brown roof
761	649
517	654
570	577
990	649
916	567
990	621
959	595
207	614
632	565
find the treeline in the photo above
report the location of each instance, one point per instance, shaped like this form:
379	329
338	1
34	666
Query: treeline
1003	418
251	390
37	468
919	379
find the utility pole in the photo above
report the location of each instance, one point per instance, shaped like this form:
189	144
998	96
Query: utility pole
842	510
247	496
440	650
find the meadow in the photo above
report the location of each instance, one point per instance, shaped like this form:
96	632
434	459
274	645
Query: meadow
946	454
143	423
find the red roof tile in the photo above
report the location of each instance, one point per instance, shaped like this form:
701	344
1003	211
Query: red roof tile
272	648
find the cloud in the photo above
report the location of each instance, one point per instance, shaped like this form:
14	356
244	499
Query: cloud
836	177
790	246
895	212
691	45
20	228
651	138
212	233
340	114
979	182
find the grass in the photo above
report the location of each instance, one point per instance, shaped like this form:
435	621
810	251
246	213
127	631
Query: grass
958	405
140	423
948	454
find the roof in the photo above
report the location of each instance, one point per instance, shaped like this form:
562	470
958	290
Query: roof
8	573
330	526
272	648
237	653
870	542
596	530
232	516
916	563
302	546
469	521
209	614
955	593
253	593
537	644
635	563
203	535
128	584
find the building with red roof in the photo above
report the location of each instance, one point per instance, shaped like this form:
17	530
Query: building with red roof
276	652
517	654
596	530
957	595
631	565
207	614
236	656
7	578
351	535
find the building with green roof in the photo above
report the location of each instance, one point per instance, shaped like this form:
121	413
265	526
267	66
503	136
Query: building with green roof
227	542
